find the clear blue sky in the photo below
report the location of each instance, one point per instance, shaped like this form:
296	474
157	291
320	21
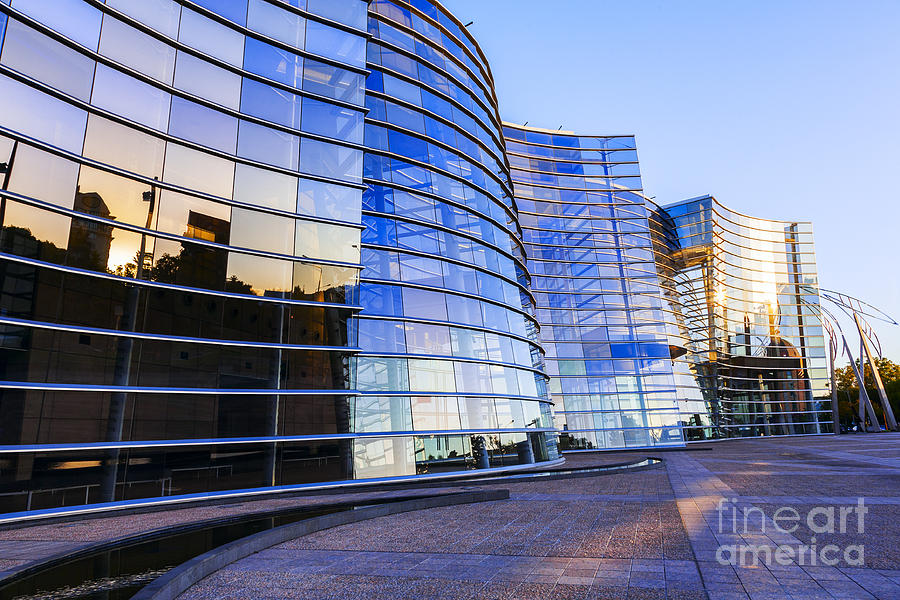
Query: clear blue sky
781	109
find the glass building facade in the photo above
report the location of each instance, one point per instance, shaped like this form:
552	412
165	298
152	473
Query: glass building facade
257	245
448	333
741	297
591	256
191	191
179	253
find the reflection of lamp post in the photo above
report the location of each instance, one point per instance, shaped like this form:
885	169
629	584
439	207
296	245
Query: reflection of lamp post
122	372
6	170
143	263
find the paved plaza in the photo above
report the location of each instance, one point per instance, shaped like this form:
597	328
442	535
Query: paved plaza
662	533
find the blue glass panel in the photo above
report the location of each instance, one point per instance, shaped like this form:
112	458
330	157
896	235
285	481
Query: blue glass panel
380	264
233	10
408	146
333	82
266	102
381	336
211	37
381	299
75	19
379	230
2	27
330	160
417	237
464	310
410	175
276	22
348	12
378	198
268	145
424	304
196	123
405	117
336	44
332	121
276	64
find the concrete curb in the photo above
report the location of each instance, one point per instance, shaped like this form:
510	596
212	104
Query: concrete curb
179	579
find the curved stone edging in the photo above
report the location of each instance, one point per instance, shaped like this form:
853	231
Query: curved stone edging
179	579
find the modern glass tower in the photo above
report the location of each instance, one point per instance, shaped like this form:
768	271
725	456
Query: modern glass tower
591	255
742	293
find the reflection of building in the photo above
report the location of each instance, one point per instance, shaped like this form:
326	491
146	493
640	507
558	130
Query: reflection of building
203	266
740	294
91	238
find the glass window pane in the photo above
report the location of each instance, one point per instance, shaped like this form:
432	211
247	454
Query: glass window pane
197	123
274	63
233	10
431	375
268	145
389	457
276	23
199	171
330	242
261	231
48	61
348	12
75	19
329	200
473	378
270	103
435	413
161	15
193	217
137	50
330	160
43	176
333	121
207	81
35	225
332	82
335	43
124	147
424	304
260	274
28	111
381	374
478	413
379	336
381	413
264	188
113	197
422	338
211	38
130	98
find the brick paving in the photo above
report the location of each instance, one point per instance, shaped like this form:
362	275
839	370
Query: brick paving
32	543
651	534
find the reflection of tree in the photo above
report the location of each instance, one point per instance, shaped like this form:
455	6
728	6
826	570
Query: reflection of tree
20	241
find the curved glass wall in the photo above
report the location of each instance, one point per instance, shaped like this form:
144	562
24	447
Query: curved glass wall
450	354
179	253
742	295
591	257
